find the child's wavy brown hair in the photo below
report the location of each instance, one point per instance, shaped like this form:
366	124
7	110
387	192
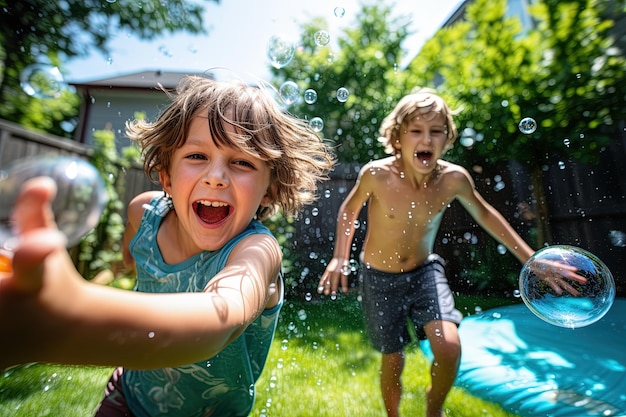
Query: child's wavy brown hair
423	102
297	156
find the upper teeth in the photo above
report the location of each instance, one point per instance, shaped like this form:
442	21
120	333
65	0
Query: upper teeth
212	203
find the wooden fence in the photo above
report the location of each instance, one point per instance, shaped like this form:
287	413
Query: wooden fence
19	143
587	209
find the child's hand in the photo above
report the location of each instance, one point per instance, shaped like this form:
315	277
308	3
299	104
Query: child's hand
38	236
23	289
330	279
557	275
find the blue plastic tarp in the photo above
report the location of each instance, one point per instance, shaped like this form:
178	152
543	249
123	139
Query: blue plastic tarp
532	368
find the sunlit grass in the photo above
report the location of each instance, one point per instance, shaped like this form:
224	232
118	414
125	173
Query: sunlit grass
320	364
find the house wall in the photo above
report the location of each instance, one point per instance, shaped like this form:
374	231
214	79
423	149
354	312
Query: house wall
110	109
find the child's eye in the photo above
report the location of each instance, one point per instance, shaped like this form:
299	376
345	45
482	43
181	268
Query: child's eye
243	163
195	156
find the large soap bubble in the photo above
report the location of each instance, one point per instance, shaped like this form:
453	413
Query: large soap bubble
280	51
78	205
42	81
594	297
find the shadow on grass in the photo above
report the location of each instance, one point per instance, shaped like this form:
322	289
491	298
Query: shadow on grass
326	325
15	384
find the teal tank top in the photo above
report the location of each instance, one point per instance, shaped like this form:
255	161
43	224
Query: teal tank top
222	385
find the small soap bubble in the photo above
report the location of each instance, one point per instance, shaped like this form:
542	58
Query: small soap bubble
310	96
342	94
316	124
42	81
321	38
79	202
280	51
617	238
339	12
527	125
594	298
289	92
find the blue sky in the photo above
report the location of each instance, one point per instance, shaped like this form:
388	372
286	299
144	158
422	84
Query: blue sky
238	34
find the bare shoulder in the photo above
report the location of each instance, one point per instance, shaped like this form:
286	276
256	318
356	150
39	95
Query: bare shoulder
453	171
383	166
456	176
136	205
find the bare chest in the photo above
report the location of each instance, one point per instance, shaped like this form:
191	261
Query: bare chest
401	206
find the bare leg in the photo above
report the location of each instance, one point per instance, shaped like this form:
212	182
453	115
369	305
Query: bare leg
446	347
390	383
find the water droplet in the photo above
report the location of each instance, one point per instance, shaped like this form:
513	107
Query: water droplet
527	125
316	124
339	12
342	94
310	96
321	38
617	238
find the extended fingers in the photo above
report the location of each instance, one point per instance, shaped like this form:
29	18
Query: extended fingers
28	258
32	208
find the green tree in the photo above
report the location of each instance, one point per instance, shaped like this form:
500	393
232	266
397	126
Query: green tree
43	31
364	59
100	249
366	64
564	73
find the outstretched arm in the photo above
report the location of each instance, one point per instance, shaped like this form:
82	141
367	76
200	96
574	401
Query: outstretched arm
489	218
49	313
348	213
500	229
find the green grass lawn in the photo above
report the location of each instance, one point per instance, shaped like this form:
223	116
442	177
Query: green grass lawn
320	364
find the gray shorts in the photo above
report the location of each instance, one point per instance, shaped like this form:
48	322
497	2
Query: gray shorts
393	300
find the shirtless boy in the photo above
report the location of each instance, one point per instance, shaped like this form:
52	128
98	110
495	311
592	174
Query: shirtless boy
407	194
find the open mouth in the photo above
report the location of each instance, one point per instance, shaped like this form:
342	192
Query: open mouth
424	156
211	212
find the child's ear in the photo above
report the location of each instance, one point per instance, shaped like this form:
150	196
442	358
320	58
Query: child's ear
166	181
448	145
269	197
394	139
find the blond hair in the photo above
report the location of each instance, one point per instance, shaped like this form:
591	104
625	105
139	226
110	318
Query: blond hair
423	102
296	155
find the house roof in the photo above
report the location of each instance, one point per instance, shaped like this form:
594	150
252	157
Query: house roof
138	80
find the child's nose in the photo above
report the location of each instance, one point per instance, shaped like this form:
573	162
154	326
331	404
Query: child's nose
216	177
